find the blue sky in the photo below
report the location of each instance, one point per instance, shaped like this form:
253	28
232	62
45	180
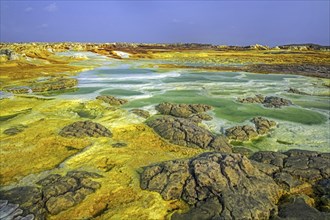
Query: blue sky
216	22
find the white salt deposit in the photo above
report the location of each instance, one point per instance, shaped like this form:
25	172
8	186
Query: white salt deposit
121	54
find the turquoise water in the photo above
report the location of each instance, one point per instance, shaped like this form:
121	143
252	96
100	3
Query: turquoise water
145	88
120	92
231	110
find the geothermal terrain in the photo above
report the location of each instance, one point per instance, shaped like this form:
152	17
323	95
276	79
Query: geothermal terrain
164	131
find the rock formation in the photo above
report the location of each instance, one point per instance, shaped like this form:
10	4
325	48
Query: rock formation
301	173
14	130
296	91
10	211
263	125
247	132
293	168
241	133
7	54
290	185
194	111
215	185
275	102
268	101
54	194
85	128
185	132
295	207
141	113
112	100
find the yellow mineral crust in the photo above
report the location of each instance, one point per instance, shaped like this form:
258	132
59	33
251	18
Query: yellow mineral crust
33	61
120	196
241	57
39	147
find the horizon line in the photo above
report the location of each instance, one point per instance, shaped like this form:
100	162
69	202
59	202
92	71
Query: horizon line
173	43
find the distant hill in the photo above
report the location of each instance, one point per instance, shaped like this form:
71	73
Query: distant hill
307	46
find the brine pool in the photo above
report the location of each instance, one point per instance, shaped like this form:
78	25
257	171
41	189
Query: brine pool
304	125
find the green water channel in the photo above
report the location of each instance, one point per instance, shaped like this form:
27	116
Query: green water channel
305	124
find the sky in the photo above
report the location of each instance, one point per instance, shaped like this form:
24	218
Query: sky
212	22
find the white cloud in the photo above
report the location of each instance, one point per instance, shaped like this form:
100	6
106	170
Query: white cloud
28	9
51	8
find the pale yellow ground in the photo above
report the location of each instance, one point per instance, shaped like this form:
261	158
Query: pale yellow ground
240	57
